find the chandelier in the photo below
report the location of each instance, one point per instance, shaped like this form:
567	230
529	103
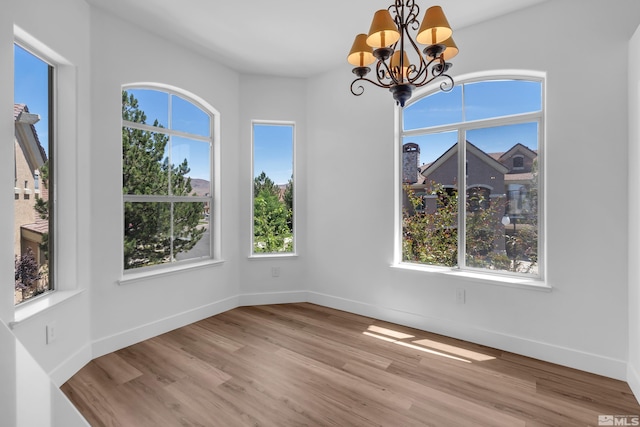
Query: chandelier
388	42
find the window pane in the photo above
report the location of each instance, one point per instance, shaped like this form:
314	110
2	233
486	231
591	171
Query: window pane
144	162
190	159
151	106
33	255
430	199
502	198
497	98
439	108
273	215
147	234
191	237
188	118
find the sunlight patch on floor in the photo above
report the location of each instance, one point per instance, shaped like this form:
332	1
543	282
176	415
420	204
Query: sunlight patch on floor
413	346
469	354
389	332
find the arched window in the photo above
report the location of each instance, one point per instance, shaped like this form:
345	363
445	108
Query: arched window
518	162
167	177
467	139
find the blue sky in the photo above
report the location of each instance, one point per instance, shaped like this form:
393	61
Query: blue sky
185	117
31	88
481	100
273	151
273	144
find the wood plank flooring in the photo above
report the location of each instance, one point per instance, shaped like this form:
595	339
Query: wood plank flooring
307	365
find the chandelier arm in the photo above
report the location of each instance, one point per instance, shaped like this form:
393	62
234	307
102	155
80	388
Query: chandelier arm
383	72
421	69
411	18
447	85
439	68
358	90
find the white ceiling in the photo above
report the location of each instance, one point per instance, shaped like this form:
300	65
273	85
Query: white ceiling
293	38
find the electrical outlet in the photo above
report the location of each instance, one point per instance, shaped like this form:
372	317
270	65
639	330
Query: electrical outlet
51	332
460	296
275	271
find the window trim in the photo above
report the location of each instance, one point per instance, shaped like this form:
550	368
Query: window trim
141	273
475	274
263	255
67	283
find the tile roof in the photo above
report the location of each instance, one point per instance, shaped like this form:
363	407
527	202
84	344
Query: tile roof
526	176
40	226
19	109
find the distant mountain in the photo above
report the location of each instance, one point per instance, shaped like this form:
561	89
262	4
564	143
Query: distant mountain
200	187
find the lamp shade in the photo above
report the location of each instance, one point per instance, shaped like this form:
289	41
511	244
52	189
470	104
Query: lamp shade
400	74
383	31
450	50
435	28
361	53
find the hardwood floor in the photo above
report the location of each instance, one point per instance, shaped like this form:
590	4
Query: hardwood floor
307	365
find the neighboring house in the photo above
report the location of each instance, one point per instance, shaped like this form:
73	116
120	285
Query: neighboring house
29	156
491	175
521	162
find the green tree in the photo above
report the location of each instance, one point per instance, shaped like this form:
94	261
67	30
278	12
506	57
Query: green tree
484	230
288	201
263	183
42	208
272	215
150	235
271	232
522	246
431	236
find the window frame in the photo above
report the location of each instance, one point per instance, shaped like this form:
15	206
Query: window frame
29	45
294	253
134	274
520	159
461	269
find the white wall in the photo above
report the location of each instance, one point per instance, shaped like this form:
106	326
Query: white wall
633	374
6	158
276	99
583	321
66	44
123	314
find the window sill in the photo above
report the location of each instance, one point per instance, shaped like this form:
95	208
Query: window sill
273	256
128	278
478	277
30	309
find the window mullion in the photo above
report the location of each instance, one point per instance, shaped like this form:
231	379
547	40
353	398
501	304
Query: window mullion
171	231
170	162
462	197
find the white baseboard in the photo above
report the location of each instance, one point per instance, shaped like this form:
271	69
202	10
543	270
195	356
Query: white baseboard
589	362
273	298
65	370
633	379
140	333
584	361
